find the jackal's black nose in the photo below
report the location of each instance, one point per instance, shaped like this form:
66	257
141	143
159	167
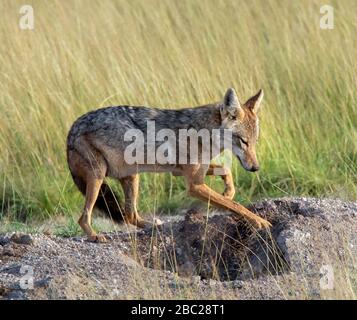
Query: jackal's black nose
254	168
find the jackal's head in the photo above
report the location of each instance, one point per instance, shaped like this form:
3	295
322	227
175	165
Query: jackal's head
243	121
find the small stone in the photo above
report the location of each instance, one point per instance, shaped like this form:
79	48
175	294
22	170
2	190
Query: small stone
13	269
178	251
21	238
4	240
43	282
213	282
237	284
16	295
8	251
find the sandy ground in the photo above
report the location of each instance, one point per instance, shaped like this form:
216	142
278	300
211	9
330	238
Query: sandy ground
309	253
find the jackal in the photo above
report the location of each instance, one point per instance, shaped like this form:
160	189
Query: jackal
96	148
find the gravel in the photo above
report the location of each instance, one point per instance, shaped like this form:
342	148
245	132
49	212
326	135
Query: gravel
309	253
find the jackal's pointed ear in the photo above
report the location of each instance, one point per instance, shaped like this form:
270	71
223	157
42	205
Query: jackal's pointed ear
230	104
254	102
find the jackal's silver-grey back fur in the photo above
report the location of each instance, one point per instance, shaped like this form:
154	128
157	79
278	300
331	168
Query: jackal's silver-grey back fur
110	124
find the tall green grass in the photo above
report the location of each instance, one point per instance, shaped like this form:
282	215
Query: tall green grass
83	55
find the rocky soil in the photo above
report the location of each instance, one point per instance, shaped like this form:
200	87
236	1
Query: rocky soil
310	252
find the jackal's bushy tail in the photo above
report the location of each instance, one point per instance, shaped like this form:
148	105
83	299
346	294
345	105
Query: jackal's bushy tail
107	201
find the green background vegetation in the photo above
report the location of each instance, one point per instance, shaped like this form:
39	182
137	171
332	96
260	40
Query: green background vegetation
88	54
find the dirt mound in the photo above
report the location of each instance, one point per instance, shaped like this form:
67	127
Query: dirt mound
223	247
218	246
310	252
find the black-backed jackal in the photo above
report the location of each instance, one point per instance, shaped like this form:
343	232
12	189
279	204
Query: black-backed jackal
97	148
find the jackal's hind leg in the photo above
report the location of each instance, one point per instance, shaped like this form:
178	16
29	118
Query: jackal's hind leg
130	186
226	174
85	221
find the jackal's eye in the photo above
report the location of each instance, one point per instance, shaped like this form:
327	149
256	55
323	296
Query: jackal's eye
232	118
245	142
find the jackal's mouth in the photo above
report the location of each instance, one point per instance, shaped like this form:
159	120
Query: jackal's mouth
252	168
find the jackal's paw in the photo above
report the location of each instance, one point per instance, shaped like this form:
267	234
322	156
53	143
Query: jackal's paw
142	224
157	222
229	193
146	224
97	238
261	223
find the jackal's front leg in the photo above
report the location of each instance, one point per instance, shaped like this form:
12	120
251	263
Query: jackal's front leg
203	192
226	174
